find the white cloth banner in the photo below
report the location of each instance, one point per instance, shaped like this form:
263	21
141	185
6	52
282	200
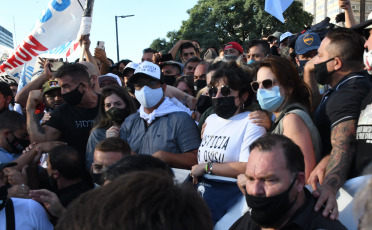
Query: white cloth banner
55	33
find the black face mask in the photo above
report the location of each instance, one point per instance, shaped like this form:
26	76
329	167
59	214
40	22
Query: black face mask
302	64
199	84
269	212
224	106
169	79
3	196
97	178
203	103
74	97
18	145
116	115
321	73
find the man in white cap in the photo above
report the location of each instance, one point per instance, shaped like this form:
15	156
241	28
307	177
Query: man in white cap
160	127
109	79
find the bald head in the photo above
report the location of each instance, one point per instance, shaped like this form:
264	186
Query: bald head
92	70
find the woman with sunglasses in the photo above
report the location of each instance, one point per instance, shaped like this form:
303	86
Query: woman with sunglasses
281	91
224	149
115	105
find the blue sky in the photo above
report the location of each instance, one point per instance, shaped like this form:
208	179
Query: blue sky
153	19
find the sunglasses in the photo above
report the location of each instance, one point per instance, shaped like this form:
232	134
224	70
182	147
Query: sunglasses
225	91
267	84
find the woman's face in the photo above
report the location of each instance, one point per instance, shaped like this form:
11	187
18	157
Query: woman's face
265	73
114	101
184	87
233	93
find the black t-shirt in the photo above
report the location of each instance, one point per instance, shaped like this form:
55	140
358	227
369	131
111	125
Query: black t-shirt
74	123
341	103
363	137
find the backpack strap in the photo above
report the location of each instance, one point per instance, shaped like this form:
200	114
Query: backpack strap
278	119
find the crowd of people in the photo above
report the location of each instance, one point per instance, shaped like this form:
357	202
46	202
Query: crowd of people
95	143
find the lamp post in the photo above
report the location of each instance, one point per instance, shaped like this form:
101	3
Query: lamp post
117	39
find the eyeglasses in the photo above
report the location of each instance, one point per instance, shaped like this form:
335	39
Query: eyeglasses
267	84
225	91
151	84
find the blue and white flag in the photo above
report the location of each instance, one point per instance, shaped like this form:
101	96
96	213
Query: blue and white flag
277	7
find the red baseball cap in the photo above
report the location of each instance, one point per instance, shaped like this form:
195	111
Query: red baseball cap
234	45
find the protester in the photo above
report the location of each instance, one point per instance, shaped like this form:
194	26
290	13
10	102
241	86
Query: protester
109	79
73	120
6	96
147	54
282	92
190	66
170	71
16	213
339	63
257	50
363	131
275	189
185	84
233	49
306	48
227	135
151	201
66	176
160	128
106	153
186	48
114	107
13	136
200	75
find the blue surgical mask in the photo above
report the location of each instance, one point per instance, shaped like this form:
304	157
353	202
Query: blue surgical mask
149	97
250	62
271	99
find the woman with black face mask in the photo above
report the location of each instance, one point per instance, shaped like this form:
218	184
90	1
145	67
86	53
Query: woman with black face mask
115	105
228	133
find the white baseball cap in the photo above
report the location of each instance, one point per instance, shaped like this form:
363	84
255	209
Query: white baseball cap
109	76
130	65
147	69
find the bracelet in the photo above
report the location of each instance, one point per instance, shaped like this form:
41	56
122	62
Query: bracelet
208	168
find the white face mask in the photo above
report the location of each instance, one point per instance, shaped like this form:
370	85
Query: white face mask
367	58
149	97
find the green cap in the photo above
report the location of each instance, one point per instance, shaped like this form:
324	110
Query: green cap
50	85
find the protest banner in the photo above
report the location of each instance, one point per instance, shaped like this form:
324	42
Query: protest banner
55	32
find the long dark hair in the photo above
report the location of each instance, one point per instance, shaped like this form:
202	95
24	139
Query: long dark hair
286	74
102	121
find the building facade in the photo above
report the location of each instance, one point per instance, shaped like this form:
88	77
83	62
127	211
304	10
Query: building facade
6	38
330	8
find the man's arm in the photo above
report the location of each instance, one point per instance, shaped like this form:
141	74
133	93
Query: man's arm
309	79
37	83
178	160
88	55
343	150
349	16
37	132
176	47
101	55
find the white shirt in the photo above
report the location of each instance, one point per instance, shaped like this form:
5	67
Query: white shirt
28	214
228	140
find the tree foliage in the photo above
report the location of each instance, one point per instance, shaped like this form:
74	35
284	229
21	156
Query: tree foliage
217	22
